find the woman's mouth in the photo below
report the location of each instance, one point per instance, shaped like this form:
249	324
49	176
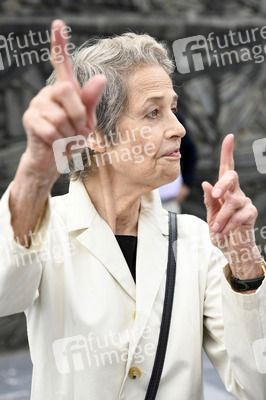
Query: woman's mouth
175	153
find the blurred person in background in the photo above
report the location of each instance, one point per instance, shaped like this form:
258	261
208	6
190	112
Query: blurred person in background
89	268
175	193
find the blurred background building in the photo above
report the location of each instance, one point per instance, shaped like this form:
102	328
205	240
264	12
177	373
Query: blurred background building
214	99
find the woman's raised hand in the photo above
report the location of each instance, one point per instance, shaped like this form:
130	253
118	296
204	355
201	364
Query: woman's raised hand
231	217
59	111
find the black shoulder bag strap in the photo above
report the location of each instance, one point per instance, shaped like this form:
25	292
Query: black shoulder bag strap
167	310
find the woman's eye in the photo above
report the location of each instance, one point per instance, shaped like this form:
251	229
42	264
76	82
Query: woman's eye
174	109
153	113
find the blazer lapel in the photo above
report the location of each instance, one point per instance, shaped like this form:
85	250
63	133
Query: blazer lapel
152	255
97	236
100	241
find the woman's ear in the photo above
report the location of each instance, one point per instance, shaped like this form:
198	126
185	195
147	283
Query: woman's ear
97	142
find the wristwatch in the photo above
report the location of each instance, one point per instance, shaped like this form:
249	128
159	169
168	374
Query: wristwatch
242	285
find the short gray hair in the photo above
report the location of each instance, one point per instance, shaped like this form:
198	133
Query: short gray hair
117	58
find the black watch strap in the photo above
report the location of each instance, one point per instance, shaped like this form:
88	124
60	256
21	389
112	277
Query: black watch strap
246	284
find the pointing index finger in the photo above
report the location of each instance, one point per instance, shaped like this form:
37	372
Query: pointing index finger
227	155
59	58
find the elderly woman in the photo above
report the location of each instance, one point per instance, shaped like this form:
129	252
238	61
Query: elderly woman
91	279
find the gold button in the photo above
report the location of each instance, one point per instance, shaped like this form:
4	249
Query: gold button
134	314
134	373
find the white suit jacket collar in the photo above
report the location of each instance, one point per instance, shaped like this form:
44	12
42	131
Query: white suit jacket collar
82	211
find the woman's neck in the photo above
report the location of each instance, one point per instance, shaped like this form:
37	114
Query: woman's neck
117	203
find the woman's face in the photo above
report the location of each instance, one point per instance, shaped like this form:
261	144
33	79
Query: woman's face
146	152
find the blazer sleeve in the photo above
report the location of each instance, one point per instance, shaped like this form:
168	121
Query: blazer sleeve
20	268
235	332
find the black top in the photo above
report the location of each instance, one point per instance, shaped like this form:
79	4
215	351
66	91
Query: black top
128	246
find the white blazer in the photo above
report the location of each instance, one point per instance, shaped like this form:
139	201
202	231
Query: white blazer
92	329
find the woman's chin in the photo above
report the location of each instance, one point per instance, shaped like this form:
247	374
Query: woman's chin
167	179
170	178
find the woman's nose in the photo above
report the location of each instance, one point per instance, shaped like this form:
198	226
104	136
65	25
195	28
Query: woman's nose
175	128
181	129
